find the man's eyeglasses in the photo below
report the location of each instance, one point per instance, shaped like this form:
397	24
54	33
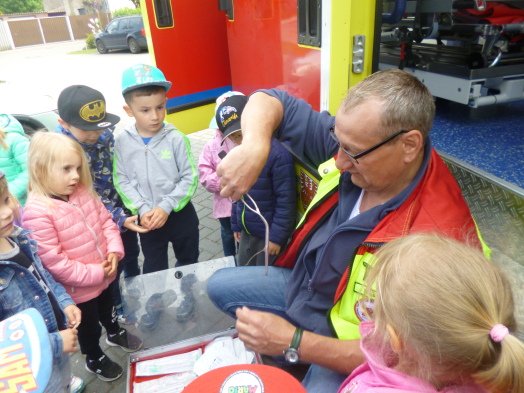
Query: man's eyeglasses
355	157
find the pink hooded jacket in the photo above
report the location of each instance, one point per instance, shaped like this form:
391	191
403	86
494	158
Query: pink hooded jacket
207	170
375	376
73	239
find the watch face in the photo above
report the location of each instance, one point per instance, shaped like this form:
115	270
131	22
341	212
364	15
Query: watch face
291	355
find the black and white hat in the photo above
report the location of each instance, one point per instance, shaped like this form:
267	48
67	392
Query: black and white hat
85	108
228	114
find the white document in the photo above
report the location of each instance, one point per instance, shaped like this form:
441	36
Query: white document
181	363
169	384
223	351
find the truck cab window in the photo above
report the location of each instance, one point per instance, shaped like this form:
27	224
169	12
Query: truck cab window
163	13
309	22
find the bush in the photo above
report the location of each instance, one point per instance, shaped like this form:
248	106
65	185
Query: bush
90	41
125	12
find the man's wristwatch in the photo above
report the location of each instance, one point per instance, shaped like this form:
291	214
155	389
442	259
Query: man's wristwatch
291	354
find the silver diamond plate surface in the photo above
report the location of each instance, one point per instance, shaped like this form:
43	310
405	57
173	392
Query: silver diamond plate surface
499	213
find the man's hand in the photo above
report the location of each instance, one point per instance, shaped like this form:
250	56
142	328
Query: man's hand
240	169
263	332
130	223
273	248
69	340
73	315
155	218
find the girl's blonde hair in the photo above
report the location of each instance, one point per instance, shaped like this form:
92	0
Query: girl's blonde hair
46	150
442	298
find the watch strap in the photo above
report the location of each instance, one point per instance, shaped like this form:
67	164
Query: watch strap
297	337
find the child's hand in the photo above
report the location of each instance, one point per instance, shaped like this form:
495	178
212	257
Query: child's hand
108	267
112	258
273	248
73	315
145	219
236	235
69	340
158	218
130	223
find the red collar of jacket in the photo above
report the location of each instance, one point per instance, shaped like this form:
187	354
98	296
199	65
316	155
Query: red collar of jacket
435	205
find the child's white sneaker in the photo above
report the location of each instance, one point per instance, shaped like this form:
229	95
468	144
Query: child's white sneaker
76	385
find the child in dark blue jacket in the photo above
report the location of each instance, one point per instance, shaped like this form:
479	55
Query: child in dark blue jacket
274	193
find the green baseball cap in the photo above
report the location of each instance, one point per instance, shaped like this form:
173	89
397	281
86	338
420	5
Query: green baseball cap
141	75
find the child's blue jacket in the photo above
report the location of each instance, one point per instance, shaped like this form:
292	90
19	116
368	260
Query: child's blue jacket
20	290
275	194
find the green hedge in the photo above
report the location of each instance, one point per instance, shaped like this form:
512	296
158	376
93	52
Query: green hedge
125	12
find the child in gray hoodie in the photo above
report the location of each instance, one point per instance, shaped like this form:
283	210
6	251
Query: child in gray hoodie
155	173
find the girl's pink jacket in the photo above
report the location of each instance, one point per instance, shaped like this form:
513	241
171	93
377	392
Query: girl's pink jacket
207	170
73	239
374	376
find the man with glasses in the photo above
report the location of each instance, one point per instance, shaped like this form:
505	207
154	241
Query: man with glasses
386	181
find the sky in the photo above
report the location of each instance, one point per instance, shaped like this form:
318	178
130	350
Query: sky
116	4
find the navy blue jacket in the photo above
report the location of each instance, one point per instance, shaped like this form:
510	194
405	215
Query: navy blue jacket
275	194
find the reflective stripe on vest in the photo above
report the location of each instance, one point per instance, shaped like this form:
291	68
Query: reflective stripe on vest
319	208
330	180
350	310
347	313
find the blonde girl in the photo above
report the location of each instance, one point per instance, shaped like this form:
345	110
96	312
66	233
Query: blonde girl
442	322
78	242
13	156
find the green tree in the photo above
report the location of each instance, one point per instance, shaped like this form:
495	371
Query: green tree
136	3
19	6
93	5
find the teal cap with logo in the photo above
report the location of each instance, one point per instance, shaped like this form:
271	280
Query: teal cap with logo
141	75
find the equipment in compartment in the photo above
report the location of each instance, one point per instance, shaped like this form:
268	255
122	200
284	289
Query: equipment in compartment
470	52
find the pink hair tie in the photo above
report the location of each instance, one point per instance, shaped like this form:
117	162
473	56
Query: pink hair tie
498	332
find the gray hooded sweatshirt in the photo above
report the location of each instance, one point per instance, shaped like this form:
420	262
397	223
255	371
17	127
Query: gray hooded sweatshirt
162	173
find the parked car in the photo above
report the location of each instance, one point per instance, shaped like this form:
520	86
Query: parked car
35	112
126	32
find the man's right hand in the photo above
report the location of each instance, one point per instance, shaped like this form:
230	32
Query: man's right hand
239	170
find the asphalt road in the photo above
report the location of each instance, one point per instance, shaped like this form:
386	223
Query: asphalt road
45	70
